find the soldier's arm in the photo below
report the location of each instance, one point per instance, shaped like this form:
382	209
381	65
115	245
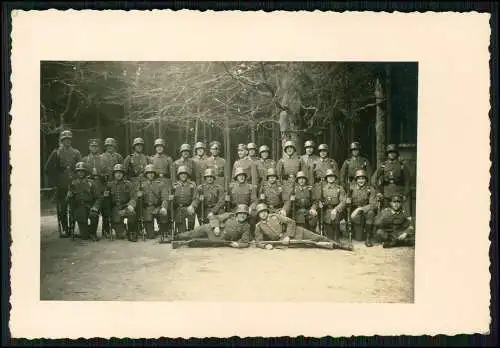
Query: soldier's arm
279	169
372	202
220	200
375	178
244	240
316	194
254	173
196	199
368	169
253	196
259	236
342	198
164	194
78	155
223	217
286	200
50	165
134	191
335	165
406	180
384	219
343	173
96	195
290	226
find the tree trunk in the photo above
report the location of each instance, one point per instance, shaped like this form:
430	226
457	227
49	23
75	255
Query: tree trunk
379	122
388	106
196	124
288	119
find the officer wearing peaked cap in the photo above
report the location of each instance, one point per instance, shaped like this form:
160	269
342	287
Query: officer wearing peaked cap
185	195
215	162
60	168
352	164
246	164
163	164
135	163
264	163
289	164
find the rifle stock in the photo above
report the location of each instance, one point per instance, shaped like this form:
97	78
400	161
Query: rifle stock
322	211
349	222
200	243
330	245
140	205
227	164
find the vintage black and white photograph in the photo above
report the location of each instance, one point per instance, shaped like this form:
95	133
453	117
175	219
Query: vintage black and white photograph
228	181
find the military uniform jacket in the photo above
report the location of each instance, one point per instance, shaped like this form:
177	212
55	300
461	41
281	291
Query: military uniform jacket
189	164
213	197
322	165
153	195
288	165
250	169
163	165
272	228
242	193
108	161
351	165
93	162
134	164
303	196
392	173
217	164
61	164
230	228
185	193
392	220
364	197
201	165
273	196
84	194
307	163
263	165
333	198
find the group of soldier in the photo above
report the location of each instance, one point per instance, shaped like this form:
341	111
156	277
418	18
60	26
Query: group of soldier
298	197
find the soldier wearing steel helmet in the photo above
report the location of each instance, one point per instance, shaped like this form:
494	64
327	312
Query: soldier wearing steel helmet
153	195
217	163
60	168
395	225
163	164
122	205
323	163
135	163
271	192
301	202
364	205
331	198
185	161
245	163
354	163
232	226
274	227
264	163
252	152
199	159
110	158
85	201
308	159
210	197
392	177
241	192
289	164
185	195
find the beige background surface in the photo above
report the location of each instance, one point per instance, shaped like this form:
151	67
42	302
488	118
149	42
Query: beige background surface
452	278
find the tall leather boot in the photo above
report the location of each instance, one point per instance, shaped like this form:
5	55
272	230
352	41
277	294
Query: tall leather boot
336	232
358	232
369	235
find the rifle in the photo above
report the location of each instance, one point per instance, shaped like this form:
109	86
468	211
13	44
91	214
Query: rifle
292	197
349	222
172	219
330	245
227	170
202	202
140	212
201	243
71	219
321	211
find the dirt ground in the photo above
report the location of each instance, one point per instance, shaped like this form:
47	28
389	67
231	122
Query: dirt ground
148	271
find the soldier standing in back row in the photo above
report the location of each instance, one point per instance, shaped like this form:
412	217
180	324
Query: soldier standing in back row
392	177
245	163
217	163
93	163
330	197
162	164
271	192
308	160
121	196
186	162
364	201
135	163
185	196
60	166
84	199
289	164
353	164
264	163
323	163
252	152
199	159
210	197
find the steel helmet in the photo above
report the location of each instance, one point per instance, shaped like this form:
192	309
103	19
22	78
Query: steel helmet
110	142
149	169
261	207
263	148
323	147
309	143
301	174
271	172
94	142
242	147
242	208
355	146
391	148
80	166
239	171
185	147
330	172
138	141
118	168
66	135
182	169
215	144
289	143
397	198
252	146
159	142
199	145
360	173
209	172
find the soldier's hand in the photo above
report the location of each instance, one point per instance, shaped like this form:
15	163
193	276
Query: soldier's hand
292	198
202	198
130	208
333	214
170	197
106	193
286	240
234	244
217	231
269	247
262	196
190	210
348	200
163	211
228	198
355	213
402	236
380	196
313	212
210	215
283	212
139	194
320	205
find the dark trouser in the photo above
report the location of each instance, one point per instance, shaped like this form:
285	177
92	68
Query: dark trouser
88	230
197	232
362	225
332	231
62	210
391	237
305	234
183	221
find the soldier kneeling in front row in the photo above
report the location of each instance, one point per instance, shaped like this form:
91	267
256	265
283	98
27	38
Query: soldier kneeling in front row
233	227
83	198
394	225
